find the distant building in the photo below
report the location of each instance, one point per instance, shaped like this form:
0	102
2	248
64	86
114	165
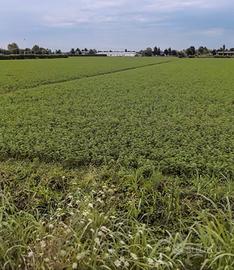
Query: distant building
119	53
226	53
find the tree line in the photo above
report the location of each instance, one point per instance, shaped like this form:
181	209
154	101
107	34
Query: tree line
13	48
192	51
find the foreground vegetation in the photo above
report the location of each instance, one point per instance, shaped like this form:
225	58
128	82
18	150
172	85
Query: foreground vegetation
110	218
130	170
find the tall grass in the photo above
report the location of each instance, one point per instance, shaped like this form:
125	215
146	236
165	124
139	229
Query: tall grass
110	218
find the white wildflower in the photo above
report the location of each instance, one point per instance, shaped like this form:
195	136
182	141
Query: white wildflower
104	229
74	265
101	234
150	261
30	254
63	253
80	256
122	259
117	263
111	250
134	256
126	264
43	244
97	241
51	226
90	205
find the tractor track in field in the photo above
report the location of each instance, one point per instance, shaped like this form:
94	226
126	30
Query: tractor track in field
84	77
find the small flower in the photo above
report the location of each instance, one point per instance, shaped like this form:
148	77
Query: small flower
51	226
74	265
97	241
85	213
43	244
30	254
46	260
90	205
150	261
134	256
111	251
100	233
104	229
100	201
117	263
63	253
122	259
80	256
126	264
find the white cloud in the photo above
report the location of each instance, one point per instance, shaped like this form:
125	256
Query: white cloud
117	21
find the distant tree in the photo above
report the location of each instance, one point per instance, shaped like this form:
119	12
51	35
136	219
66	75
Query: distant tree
42	51
13	48
214	52
158	51
182	54
169	51
148	52
36	49
58	51
191	51
155	51
126	50
201	50
174	53
166	52
78	51
72	51
206	50
92	52
232	49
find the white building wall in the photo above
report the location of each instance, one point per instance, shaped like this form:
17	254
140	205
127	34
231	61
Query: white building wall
114	54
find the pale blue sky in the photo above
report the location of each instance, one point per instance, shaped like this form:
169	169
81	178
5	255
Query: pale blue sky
117	24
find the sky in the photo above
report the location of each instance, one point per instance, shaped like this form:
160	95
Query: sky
117	24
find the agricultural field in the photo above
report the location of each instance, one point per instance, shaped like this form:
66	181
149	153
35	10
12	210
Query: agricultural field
32	73
117	163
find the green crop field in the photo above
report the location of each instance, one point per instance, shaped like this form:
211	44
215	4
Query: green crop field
117	163
32	73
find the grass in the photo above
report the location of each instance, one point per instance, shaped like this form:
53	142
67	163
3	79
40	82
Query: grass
109	218
128	170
